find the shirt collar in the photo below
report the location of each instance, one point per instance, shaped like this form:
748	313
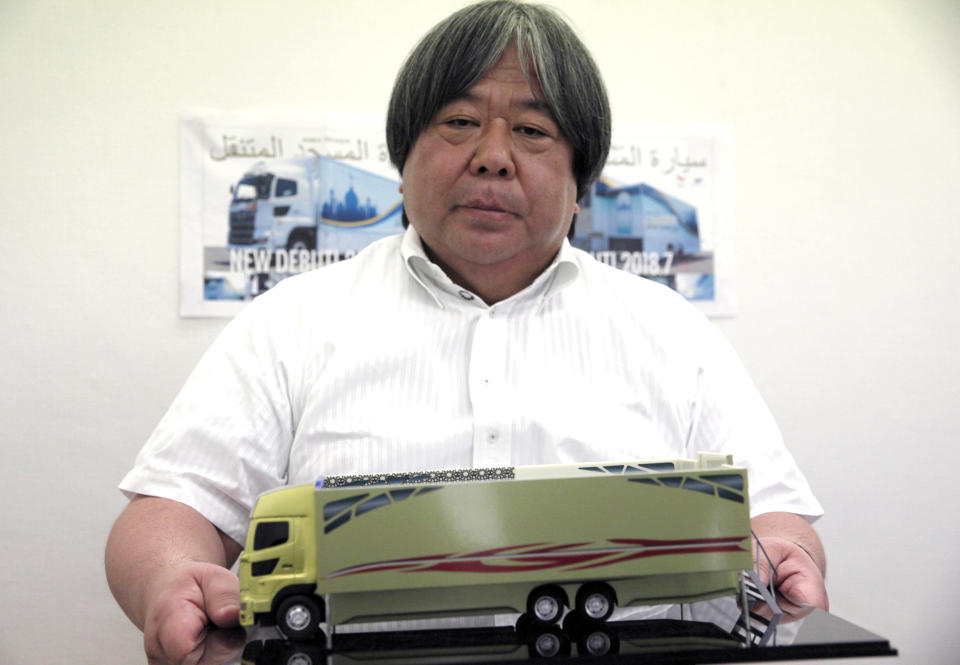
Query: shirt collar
561	272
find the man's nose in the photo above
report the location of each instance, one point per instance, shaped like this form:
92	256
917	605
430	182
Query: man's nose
494	154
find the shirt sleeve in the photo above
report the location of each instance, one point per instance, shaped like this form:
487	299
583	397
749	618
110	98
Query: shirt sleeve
226	438
731	417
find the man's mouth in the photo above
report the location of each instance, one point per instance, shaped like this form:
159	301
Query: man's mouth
486	208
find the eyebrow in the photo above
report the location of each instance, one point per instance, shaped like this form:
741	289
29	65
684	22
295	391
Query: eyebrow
531	104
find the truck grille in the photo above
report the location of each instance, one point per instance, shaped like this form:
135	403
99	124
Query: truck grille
241	228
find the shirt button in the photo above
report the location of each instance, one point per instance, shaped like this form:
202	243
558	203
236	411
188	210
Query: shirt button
466	295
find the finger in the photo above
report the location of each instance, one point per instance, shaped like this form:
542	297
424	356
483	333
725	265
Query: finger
804	588
766	561
221	596
175	636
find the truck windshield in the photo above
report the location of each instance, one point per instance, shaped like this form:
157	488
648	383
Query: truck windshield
253	186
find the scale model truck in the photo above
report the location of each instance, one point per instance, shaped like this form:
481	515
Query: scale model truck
535	540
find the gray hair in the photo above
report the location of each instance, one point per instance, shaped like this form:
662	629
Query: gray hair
459	50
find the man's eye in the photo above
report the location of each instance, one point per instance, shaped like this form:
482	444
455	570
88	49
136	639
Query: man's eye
531	132
458	123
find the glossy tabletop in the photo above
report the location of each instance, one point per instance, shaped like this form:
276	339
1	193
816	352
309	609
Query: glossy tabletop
819	635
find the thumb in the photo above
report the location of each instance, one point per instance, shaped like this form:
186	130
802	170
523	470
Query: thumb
221	596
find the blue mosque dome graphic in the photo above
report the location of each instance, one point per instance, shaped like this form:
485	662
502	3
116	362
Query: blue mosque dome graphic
349	208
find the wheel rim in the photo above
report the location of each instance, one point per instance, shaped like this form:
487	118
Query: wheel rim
546	608
298	617
300	659
596	606
598	644
547	645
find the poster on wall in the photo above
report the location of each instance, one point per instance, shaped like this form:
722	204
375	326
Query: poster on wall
267	195
662	208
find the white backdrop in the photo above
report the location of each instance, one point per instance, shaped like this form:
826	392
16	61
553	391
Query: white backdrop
846	122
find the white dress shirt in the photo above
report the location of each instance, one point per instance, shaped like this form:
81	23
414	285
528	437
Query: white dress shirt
382	363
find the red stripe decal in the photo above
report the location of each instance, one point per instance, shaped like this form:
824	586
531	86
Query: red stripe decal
678	550
514	559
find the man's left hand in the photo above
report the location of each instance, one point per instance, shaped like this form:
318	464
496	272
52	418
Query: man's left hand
798	582
798	559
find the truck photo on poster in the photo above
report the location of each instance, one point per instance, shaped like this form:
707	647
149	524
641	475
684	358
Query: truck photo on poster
267	195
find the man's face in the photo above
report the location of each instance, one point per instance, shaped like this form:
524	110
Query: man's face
489	184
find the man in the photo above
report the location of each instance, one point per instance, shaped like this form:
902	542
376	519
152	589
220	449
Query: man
479	338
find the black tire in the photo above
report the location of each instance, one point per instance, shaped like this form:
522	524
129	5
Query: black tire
598	642
548	642
545	605
573	624
298	617
596	601
301	658
302	654
301	240
523	624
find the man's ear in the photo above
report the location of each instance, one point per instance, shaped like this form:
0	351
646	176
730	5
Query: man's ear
573	223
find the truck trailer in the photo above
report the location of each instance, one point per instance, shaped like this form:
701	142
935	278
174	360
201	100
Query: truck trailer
311	203
536	540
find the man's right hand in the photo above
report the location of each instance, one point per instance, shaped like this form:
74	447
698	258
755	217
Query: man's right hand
168	567
185	600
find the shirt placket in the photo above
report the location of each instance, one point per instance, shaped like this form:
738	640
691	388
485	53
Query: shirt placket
492	428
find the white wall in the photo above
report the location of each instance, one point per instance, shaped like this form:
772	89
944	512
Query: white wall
846	116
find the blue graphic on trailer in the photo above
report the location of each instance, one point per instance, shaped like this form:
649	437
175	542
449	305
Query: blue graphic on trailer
355	197
357	207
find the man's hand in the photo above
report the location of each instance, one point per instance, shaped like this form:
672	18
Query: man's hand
168	568
798	559
186	599
799	582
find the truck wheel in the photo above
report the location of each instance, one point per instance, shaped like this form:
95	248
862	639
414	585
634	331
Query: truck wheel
548	642
545	604
301	240
299	617
596	601
300	659
598	642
